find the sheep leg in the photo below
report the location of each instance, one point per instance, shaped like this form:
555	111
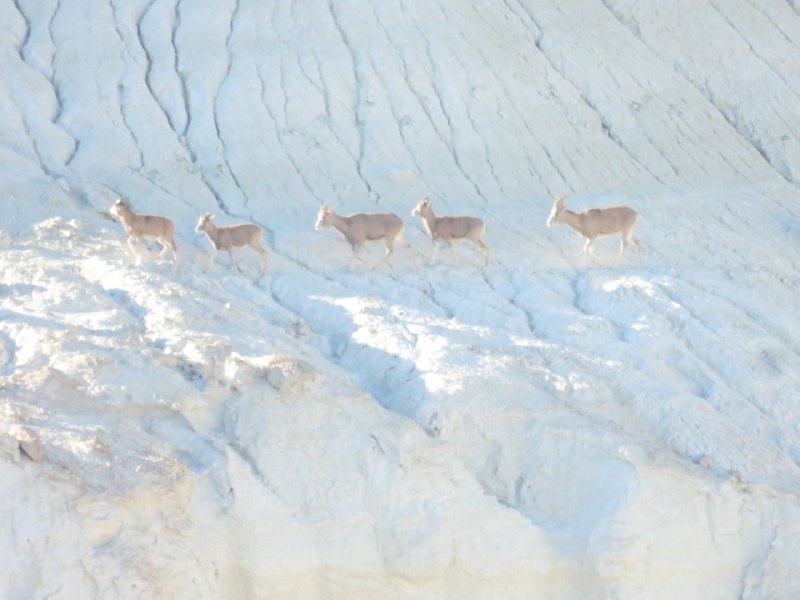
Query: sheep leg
453	252
435	250
386	255
638	248
485	251
174	247
135	251
622	245
264	260
213	257
166	246
264	256
589	250
629	237
356	255
399	239
233	261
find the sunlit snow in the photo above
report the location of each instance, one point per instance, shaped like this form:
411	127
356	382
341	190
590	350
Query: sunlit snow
550	426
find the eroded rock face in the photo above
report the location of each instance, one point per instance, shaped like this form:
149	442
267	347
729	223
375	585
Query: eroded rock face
283	373
288	374
18	442
32	448
9	446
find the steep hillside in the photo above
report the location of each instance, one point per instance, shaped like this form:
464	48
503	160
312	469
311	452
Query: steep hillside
549	426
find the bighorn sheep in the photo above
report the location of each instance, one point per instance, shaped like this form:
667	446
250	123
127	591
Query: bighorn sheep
451	229
594	222
145	227
365	227
228	238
